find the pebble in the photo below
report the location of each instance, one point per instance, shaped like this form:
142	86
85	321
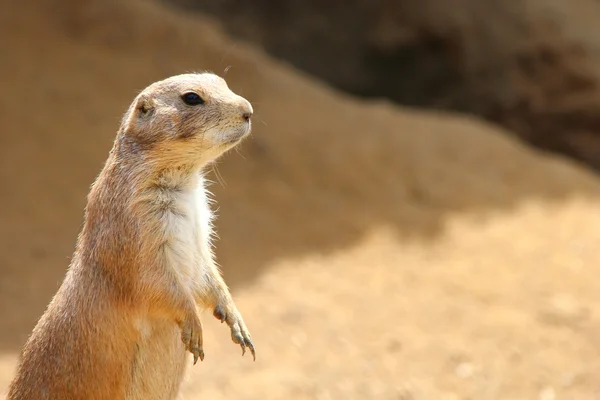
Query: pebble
464	370
563	309
547	393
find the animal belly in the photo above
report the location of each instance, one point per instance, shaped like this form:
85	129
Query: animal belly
159	363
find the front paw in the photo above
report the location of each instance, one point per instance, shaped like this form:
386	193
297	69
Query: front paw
239	332
191	336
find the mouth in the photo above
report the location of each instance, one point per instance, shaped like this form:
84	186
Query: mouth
237	135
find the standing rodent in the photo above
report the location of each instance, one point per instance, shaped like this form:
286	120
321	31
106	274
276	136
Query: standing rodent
125	316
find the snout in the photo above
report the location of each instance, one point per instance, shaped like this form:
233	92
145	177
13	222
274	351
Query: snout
246	110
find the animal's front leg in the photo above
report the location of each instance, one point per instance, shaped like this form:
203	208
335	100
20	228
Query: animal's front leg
224	309
166	292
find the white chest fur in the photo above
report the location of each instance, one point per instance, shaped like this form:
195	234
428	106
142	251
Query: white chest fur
186	226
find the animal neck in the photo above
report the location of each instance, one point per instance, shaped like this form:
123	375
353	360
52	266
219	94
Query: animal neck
176	178
144	169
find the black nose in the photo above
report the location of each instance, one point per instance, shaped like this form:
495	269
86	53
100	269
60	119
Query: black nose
247	116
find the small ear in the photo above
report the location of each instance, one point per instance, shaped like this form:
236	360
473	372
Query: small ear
145	105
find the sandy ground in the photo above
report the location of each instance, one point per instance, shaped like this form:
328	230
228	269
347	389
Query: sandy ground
375	252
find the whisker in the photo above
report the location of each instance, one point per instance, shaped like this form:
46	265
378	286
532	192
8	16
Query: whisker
218	175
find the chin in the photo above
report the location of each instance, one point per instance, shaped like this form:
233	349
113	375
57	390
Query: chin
234	138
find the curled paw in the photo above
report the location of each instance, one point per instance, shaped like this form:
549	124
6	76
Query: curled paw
191	336
239	332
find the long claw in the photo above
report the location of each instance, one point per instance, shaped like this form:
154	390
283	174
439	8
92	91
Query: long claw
251	347
198	354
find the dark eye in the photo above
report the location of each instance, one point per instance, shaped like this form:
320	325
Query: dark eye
192	99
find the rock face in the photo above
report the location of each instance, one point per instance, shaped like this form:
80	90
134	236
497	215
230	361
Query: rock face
531	65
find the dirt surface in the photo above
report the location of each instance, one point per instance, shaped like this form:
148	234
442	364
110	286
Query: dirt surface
375	252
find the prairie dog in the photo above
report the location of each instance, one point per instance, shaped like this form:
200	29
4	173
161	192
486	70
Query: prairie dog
124	319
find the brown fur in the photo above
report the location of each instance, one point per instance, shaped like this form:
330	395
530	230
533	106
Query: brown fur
125	315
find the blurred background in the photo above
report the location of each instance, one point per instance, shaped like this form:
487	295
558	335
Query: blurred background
416	215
